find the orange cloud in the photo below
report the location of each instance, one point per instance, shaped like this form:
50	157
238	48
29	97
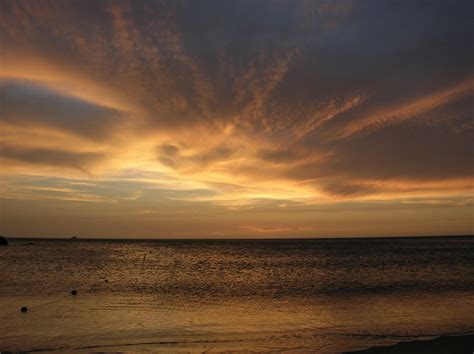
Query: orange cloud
297	106
409	110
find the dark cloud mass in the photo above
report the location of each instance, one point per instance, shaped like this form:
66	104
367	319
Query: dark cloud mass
28	103
50	157
291	101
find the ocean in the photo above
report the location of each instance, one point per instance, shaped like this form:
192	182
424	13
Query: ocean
323	295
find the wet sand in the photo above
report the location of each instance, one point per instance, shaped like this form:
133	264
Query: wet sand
446	345
459	344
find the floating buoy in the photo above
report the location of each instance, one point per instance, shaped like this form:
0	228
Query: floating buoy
3	241
24	309
74	292
106	280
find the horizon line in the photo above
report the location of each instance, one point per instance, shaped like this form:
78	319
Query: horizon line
78	238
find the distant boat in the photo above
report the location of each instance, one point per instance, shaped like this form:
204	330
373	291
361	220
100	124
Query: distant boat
3	241
73	238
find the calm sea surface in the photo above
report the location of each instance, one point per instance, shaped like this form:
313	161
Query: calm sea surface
322	295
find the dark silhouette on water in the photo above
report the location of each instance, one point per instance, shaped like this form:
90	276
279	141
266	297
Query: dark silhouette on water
24	309
3	241
73	238
74	292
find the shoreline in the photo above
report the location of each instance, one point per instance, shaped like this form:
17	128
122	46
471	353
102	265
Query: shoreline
459	344
446	344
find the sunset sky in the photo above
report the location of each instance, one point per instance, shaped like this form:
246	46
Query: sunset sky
236	118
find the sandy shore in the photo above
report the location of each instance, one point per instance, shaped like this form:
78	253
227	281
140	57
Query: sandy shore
459	344
447	345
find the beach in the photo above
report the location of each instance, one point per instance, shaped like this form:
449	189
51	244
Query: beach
448	344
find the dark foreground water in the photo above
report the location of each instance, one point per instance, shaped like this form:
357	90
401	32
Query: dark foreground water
318	295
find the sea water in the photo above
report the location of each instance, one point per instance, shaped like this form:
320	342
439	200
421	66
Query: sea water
325	295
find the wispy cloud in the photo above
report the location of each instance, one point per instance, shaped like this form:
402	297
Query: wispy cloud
276	229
